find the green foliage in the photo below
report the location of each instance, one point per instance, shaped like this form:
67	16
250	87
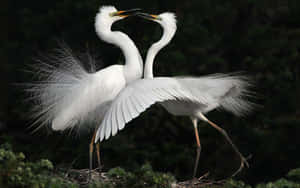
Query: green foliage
292	181
143	177
16	172
281	183
235	184
98	184
294	174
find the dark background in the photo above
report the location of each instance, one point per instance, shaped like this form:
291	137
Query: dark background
261	37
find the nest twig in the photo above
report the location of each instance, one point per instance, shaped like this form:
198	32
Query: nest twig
198	182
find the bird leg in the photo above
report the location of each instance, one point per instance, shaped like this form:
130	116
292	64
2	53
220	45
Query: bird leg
194	120
91	153
224	133
98	156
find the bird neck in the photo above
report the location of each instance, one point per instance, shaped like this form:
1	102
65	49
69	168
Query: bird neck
154	49
133	68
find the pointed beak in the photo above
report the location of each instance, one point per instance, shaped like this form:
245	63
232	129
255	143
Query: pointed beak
147	16
126	13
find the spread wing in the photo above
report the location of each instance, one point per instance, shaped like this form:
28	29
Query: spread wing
136	98
227	91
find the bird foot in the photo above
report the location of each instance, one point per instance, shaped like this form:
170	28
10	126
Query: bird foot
244	162
196	180
203	176
99	169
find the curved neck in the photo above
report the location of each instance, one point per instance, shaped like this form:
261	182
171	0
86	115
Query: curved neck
154	49
133	68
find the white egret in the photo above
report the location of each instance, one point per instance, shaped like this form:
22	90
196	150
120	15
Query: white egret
188	96
69	95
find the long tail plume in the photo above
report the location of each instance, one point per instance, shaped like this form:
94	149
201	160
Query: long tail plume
59	77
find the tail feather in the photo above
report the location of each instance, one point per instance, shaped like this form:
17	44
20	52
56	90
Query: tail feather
236	99
60	77
230	92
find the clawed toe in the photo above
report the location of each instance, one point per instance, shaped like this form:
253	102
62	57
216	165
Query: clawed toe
244	162
99	169
203	176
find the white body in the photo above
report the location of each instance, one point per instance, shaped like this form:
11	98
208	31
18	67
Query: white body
92	99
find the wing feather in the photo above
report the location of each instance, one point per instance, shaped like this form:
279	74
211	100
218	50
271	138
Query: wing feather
141	101
130	108
227	91
138	101
125	114
136	98
108	128
114	127
120	118
135	105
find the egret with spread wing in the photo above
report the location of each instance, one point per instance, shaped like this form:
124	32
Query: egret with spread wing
188	96
69	95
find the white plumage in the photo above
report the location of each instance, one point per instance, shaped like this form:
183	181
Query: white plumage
224	91
137	97
88	100
196	94
188	96
179	95
69	95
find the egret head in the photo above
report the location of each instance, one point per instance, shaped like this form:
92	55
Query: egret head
167	19
107	15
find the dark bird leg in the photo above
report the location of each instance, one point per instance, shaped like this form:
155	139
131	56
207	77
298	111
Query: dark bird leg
98	156
195	122
91	153
224	133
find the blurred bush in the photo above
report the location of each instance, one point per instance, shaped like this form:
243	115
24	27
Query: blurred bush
15	171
